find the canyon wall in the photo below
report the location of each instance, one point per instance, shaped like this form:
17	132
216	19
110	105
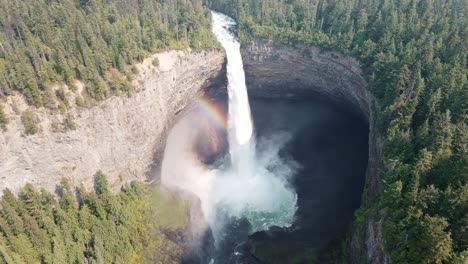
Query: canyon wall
122	135
274	70
119	135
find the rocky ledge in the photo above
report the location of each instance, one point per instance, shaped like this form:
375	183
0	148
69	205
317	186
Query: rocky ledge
119	136
122	135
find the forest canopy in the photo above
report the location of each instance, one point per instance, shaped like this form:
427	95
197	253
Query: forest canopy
414	57
413	54
140	224
46	41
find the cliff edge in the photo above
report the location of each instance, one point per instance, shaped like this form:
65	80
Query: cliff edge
119	135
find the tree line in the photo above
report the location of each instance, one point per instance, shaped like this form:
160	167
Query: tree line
46	41
140	224
413	54
414	57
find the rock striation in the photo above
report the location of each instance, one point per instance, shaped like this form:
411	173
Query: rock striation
122	135
276	70
119	136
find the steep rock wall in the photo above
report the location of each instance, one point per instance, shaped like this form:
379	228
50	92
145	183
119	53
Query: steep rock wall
119	136
274	70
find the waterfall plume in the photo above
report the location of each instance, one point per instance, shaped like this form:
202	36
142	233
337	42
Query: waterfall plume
248	184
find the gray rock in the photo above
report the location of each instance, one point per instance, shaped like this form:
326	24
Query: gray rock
276	70
119	136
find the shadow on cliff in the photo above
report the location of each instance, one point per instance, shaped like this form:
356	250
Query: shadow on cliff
213	88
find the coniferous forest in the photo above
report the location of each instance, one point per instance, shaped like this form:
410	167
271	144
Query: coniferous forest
45	42
414	56
140	224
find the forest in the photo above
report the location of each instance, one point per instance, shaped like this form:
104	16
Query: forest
414	57
49	42
140	224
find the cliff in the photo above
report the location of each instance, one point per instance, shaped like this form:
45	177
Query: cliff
122	135
274	70
119	136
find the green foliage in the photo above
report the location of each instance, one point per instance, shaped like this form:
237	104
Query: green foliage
414	59
43	42
171	210
50	99
62	96
30	122
3	119
360	215
132	226
134	70
79	101
69	123
97	89
155	62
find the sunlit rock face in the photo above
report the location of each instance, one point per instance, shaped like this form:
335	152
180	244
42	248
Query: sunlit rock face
121	135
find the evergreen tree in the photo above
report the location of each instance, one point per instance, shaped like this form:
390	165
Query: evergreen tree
412	56
38	228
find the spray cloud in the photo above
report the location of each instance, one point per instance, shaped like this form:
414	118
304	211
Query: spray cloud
251	183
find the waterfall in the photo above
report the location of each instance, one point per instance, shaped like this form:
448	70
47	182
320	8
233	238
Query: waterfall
252	183
239	119
255	186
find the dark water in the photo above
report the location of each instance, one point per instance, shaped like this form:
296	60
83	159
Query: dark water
330	145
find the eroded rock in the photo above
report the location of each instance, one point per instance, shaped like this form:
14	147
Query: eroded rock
118	136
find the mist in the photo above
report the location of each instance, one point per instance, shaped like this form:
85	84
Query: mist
221	165
258	192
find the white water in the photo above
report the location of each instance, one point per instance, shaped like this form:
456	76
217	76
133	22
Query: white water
239	118
240	121
250	185
248	189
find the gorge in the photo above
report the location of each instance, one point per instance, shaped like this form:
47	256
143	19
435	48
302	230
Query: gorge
313	131
302	139
272	71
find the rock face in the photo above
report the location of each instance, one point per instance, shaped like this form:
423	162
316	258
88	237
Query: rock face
119	136
274	70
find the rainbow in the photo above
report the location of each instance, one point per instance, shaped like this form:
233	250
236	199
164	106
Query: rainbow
213	110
